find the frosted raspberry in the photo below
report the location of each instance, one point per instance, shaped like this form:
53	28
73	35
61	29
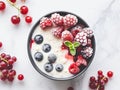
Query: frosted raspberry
70	20
88	31
81	37
76	30
81	61
57	32
66	35
87	52
45	22
57	19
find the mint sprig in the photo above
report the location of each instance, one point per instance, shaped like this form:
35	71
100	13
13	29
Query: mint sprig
72	46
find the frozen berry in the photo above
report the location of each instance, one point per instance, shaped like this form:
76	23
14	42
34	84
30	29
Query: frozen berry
57	32
70	20
52	58
57	19
48	67
89	32
67	36
109	74
80	61
24	9
81	37
87	52
15	19
45	22
28	19
38	39
59	67
2	6
46	48
74	69
76	30
38	56
20	77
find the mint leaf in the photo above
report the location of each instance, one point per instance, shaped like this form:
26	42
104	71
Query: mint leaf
73	51
68	43
76	44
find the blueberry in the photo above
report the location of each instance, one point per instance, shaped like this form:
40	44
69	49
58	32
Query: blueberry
52	58
38	56
59	67
46	48
38	39
48	67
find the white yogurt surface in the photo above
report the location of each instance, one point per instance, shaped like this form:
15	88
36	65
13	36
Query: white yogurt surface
55	43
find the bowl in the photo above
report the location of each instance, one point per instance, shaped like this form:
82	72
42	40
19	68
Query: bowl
83	69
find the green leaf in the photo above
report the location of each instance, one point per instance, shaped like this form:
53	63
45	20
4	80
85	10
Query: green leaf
76	44
73	51
68	43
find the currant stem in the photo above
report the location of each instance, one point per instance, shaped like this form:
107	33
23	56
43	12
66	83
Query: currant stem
13	5
3	59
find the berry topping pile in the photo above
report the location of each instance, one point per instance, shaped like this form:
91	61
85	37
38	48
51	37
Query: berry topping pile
101	81
76	41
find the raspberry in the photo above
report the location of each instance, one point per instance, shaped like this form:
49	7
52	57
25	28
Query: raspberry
57	32
66	35
57	19
74	69
87	52
80	61
70	20
76	30
45	22
89	32
81	37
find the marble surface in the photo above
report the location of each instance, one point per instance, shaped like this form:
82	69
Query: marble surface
102	15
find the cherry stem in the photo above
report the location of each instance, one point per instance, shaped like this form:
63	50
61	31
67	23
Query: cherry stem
3	59
13	5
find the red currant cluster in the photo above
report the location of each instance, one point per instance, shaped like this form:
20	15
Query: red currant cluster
99	83
15	19
6	68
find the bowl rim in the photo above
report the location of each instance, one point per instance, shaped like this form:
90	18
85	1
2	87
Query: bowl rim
40	71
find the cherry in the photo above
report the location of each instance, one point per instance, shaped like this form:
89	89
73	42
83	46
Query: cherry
0	44
100	72
15	19
24	9
20	77
109	74
28	19
2	6
13	1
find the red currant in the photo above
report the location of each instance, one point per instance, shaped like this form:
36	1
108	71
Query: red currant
10	61
14	58
109	74
28	19
100	72
4	72
0	44
10	78
20	77
2	6
15	19
3	55
105	79
13	1
24	9
92	78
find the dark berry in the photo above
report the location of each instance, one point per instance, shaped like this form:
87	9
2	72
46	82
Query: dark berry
52	58
38	56
24	9
93	85
20	77
102	87
59	67
38	39
48	67
109	74
9	66
46	48
2	6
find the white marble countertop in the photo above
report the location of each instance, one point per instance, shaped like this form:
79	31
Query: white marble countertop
101	15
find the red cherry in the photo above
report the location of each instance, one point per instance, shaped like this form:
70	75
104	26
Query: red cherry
100	72
28	19
2	6
13	1
0	44
109	74
24	9
15	19
20	77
